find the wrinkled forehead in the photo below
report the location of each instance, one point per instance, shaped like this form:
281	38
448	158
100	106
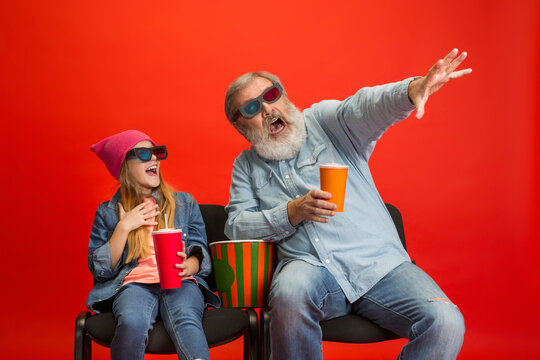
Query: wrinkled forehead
251	91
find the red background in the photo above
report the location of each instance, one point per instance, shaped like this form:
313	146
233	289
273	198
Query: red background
465	176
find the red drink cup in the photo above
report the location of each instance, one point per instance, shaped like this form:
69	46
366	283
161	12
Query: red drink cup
167	242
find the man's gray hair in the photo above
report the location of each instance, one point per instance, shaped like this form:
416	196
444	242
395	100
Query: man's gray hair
240	83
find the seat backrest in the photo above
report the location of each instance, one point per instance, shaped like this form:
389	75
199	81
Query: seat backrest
214	217
398	222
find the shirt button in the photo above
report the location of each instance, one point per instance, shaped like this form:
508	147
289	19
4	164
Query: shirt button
286	176
316	239
297	196
327	261
185	234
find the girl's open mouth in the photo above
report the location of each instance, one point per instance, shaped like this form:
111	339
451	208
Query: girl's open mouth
152	170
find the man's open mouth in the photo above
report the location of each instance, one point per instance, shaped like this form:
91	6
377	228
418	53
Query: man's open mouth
276	126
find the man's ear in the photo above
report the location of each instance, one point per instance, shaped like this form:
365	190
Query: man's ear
239	128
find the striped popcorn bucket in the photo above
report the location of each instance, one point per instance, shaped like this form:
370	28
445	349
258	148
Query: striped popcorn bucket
243	271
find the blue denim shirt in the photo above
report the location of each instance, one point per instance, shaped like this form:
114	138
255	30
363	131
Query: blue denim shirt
358	246
187	217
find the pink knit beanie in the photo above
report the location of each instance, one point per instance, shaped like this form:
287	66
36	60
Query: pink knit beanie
113	149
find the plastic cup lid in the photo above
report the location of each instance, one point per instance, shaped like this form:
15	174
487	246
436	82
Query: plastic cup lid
167	231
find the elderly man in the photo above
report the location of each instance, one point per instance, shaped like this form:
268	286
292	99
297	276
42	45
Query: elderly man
330	263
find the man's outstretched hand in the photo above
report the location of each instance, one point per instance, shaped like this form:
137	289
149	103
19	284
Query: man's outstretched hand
439	74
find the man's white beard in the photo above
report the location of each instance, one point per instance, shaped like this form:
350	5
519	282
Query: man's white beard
283	147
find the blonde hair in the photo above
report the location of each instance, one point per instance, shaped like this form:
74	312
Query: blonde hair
131	197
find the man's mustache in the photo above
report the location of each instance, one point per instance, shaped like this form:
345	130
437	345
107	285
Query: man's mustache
272	117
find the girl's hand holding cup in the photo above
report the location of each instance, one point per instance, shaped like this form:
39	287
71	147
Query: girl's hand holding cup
140	215
188	266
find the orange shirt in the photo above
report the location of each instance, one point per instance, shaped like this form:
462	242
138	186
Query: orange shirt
146	271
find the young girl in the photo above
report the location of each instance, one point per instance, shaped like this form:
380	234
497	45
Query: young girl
121	252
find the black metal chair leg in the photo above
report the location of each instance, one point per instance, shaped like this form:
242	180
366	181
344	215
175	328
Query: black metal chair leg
264	333
251	346
83	344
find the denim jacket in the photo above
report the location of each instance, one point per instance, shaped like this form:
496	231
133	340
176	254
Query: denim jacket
187	217
359	245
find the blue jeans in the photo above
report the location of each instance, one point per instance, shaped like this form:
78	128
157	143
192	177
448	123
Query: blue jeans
136	307
406	301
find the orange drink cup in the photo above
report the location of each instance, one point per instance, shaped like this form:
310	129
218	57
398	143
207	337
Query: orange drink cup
167	243
334	180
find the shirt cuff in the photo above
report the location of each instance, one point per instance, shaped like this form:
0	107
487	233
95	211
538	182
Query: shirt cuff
101	259
196	251
280	222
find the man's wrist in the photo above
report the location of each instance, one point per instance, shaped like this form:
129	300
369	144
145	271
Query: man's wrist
412	89
291	213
